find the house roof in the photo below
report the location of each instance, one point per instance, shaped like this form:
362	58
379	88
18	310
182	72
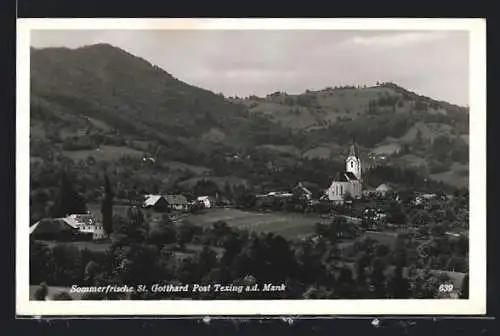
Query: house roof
152	199
80	219
51	225
33	227
383	187
176	199
304	189
73	222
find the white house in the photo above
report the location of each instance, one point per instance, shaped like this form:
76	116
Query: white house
423	198
86	223
207	201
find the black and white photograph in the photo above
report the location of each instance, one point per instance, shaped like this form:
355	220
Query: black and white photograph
243	166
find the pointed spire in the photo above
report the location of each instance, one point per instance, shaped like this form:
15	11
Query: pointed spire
353	151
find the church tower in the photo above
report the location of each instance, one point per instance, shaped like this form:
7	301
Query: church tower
353	162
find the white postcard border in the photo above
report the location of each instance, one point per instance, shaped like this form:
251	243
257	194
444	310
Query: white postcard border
475	305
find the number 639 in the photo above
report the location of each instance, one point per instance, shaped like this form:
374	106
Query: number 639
445	288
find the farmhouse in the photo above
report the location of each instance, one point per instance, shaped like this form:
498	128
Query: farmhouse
349	181
87	223
76	226
302	191
58	229
156	202
177	202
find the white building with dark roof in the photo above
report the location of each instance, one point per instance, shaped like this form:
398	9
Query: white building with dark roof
348	182
66	227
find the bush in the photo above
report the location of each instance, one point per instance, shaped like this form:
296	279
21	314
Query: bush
63	296
42	292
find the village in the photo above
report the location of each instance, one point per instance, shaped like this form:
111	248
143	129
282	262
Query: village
365	208
380	214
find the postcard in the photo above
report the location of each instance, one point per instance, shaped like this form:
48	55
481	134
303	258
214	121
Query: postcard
251	167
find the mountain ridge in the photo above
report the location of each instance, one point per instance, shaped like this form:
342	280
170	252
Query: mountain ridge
119	98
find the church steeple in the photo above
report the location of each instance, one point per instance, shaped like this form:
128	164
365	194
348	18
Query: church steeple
353	162
353	150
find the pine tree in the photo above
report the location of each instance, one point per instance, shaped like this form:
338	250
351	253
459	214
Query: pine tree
107	207
68	201
137	227
399	286
228	192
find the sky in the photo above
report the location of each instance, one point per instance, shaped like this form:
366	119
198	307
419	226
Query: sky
260	62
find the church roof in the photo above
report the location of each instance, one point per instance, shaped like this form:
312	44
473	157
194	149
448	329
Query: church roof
351	176
345	177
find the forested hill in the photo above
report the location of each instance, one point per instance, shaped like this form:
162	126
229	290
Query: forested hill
124	92
84	98
385	120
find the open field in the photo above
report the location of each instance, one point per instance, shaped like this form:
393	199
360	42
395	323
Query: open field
287	225
104	153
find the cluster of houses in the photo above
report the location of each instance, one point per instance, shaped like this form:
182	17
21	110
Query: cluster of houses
166	203
87	227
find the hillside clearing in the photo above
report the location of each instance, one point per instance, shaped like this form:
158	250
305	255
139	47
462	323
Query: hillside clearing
453	177
428	131
219	180
388	149
282	149
104	153
180	166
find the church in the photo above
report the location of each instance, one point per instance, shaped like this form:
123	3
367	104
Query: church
349	181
